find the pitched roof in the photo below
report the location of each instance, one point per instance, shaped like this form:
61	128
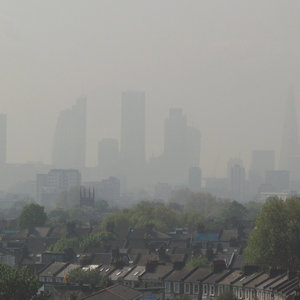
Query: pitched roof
160	272
53	269
67	270
231	277
199	275
244	280
135	273
120	273
179	275
41	232
115	292
211	237
258	280
216	277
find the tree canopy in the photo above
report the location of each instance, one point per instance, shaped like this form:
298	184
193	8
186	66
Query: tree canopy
92	277
18	284
275	241
31	216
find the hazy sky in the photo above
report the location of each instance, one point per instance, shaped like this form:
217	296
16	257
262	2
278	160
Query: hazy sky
227	63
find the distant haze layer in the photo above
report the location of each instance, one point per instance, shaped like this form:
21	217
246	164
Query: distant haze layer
227	64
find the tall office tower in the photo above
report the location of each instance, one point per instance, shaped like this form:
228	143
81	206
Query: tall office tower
133	139
70	137
108	157
193	147
181	148
289	156
3	138
262	161
175	146
237	179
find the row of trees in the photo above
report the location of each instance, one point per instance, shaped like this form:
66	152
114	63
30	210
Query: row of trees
91	240
195	210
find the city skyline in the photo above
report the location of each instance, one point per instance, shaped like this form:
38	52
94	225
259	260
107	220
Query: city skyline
228	69
290	111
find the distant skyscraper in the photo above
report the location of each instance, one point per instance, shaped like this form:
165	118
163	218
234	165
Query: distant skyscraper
181	147
3	138
70	137
289	156
175	146
237	179
133	138
108	157
262	161
193	147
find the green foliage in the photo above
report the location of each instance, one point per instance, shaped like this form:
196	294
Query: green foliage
253	209
101	205
63	244
201	262
58	216
92	277
16	208
96	240
31	216
17	284
144	213
234	210
275	241
227	295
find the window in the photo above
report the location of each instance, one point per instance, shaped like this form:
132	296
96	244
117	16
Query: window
240	293
187	288
247	294
196	288
167	287
211	290
205	289
220	290
235	291
258	295
176	287
252	294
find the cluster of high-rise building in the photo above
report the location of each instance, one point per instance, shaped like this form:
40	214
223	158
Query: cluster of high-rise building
123	166
129	163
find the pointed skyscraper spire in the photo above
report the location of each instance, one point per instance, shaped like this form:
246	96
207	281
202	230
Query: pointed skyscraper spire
289	156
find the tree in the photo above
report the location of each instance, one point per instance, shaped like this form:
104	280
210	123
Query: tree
92	277
31	216
101	205
63	244
234	212
275	241
201	262
97	239
18	284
